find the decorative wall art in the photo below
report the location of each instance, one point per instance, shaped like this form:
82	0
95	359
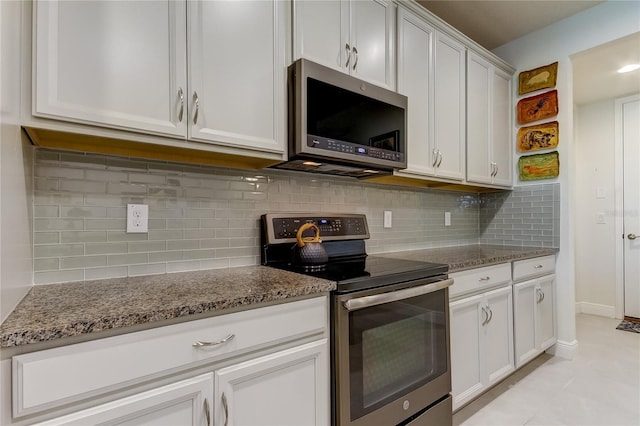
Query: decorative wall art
538	137
538	107
536	79
539	166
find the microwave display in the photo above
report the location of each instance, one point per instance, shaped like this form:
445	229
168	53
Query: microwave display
337	114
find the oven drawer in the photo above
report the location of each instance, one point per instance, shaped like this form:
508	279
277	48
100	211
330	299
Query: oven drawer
437	415
479	279
530	268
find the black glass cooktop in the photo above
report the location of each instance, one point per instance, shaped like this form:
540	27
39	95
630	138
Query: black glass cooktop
364	272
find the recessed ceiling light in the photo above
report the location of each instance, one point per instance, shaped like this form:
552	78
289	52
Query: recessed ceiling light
629	68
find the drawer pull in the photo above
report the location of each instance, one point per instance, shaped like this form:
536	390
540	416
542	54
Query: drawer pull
207	413
227	339
484	278
538	266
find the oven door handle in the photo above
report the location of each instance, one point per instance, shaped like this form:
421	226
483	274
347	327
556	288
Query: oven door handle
393	296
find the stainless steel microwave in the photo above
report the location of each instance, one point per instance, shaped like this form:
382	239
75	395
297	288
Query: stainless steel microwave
339	124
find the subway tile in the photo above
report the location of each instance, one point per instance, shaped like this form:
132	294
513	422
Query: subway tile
77	262
83	236
106	224
192	265
46	184
106	176
182	223
46	237
58	276
123	235
147	178
167	256
59	172
182	244
126	188
150	269
199	254
49	198
104	273
168	234
127	259
83	211
50	264
58	224
105	248
82	186
46	211
146	246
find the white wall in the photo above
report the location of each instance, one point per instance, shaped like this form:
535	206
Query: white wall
595	243
597	25
16	158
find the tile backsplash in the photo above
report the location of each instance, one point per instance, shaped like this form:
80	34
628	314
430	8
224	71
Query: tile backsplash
205	217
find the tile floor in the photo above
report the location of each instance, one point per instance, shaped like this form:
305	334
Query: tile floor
600	386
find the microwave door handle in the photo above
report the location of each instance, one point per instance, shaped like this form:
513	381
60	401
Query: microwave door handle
393	296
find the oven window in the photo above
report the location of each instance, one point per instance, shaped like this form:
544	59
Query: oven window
394	349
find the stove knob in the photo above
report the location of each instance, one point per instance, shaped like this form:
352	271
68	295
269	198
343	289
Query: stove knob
405	404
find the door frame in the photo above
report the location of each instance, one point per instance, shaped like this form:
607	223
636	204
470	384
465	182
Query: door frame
619	202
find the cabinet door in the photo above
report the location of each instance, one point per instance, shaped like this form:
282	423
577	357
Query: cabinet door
115	64
237	73
449	111
187	402
498	334
501	129
478	114
545	313
372	31
466	349
524	302
321	32
287	388
415	47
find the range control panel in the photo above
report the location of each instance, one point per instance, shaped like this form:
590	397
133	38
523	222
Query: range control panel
283	227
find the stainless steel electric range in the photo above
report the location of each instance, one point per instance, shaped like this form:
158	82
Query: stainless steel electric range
390	358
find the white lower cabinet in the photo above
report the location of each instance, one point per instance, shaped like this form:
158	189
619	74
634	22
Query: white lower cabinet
285	388
534	303
186	403
268	365
481	342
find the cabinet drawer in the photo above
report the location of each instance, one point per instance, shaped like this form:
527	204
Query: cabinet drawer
50	378
529	268
479	279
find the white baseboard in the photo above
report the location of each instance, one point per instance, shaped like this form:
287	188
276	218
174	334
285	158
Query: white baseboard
562	349
595	309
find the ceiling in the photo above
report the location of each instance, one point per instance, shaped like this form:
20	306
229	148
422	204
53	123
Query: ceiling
594	70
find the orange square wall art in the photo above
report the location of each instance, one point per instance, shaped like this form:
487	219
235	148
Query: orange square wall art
538	137
536	79
538	107
539	166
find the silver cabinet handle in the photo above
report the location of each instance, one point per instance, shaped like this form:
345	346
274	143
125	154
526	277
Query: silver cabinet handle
355	63
225	408
435	157
348	49
440	158
538	267
542	293
196	102
207	414
540	296
484	278
227	339
486	316
181	97
496	172
490	314
393	296
632	236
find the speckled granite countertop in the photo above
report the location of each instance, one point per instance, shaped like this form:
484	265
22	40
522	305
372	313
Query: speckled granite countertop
55	311
474	256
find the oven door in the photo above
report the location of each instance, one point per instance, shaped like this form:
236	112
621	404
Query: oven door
391	352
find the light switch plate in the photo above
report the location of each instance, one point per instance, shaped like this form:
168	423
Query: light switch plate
600	218
387	219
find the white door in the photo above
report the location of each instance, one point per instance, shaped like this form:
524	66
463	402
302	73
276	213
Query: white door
112	63
185	403
631	226
287	388
237	73
479	74
498	334
449	107
372	37
545	313
415	46
501	129
525	306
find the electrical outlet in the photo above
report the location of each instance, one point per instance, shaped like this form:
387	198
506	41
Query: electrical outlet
137	218
600	218
447	218
387	219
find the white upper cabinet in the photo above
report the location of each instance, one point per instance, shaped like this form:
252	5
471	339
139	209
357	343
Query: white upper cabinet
356	37
431	73
124	65
116	64
237	73
489	123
